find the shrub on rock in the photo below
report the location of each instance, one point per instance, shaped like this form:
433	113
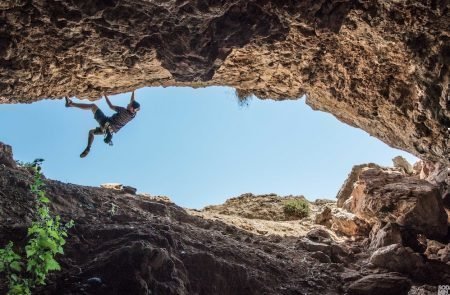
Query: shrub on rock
296	208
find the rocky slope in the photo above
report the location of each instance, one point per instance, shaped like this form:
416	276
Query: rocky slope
125	243
382	66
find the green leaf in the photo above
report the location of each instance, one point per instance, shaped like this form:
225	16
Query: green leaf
52	264
60	250
46	243
44	199
30	251
14	277
15	265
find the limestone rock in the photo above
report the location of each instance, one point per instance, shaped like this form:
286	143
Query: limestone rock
120	187
388	196
403	164
376	284
379	65
435	173
6	156
152	246
438	251
342	221
348	223
265	207
312	246
347	188
324	217
386	235
398	259
321	241
319	235
114	186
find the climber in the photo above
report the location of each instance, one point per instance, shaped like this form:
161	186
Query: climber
108	125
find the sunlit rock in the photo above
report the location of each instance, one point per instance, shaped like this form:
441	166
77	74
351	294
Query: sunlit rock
381	66
389	196
402	163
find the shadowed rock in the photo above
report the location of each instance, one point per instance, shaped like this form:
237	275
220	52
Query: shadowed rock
386	284
382	66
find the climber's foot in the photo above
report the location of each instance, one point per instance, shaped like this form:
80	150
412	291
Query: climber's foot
85	152
68	102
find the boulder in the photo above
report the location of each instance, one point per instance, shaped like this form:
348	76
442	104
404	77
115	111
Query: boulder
376	284
385	235
321	257
312	246
342	221
403	164
319	235
321	241
324	217
6	156
389	196
397	258
129	189
438	251
348	223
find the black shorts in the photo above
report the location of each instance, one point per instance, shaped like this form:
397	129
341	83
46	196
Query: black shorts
100	117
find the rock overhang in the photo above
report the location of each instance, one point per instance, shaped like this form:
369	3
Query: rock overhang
375	65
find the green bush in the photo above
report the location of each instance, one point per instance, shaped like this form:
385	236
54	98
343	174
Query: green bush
296	208
46	239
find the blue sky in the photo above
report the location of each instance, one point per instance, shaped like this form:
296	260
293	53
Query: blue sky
197	146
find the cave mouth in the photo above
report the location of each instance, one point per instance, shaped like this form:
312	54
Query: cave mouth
197	146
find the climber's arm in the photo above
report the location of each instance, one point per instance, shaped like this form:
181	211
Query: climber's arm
113	107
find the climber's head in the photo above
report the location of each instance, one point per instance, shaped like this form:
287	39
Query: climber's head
133	107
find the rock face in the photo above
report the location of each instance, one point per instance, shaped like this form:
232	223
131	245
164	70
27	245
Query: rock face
6	156
389	196
139	244
387	235
403	164
397	258
382	66
151	246
347	188
348	223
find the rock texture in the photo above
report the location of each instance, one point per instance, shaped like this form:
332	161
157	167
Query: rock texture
382	66
125	243
150	246
6	156
389	196
347	187
267	207
387	284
